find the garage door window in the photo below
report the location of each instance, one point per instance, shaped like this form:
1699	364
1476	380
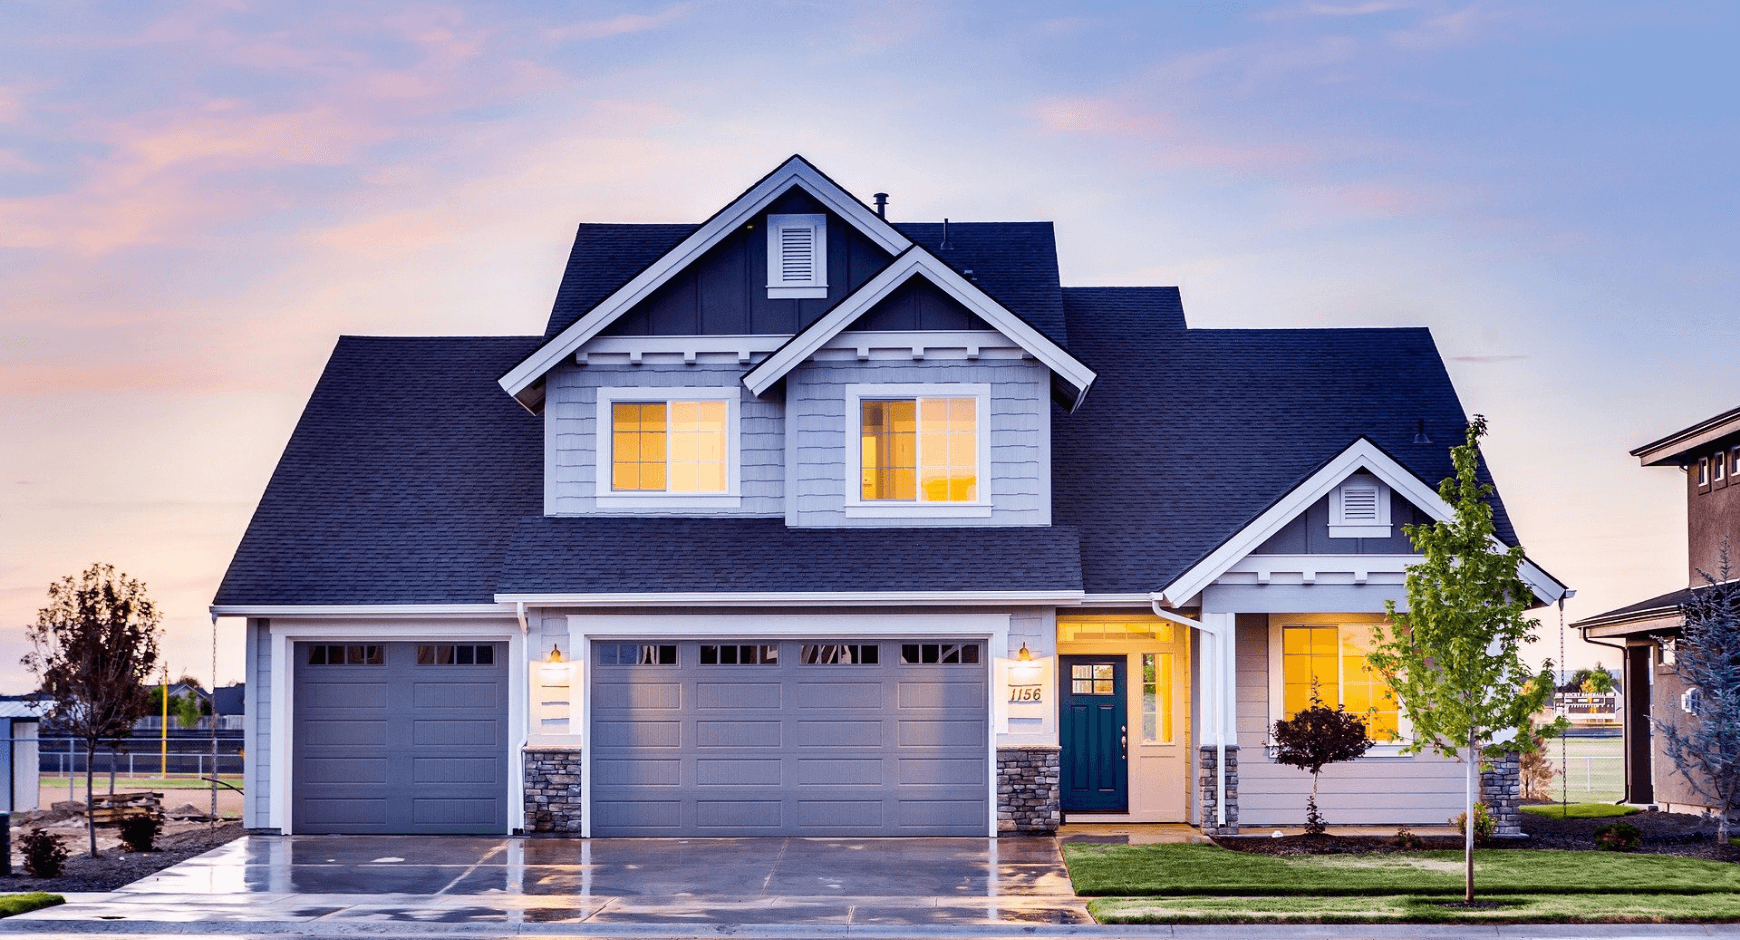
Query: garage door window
938	654
353	655
451	654
838	654
637	654
739	655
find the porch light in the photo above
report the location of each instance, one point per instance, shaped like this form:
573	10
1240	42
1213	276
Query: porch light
553	670
1024	670
1025	655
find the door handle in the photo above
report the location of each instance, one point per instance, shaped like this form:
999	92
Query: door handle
1124	740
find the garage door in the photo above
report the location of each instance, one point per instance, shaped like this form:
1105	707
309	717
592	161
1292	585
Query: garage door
784	737
400	738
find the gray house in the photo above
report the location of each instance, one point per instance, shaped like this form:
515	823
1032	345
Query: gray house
801	520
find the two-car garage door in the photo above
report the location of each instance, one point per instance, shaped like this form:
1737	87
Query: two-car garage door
768	736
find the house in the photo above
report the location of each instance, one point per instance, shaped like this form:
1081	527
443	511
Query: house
802	520
1708	454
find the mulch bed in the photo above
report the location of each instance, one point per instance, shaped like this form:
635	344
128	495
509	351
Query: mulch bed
115	868
1663	834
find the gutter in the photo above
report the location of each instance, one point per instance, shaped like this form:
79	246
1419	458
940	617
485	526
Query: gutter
1216	684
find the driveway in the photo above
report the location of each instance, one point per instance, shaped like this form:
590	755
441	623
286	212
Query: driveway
458	879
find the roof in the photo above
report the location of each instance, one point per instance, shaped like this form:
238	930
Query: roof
22	708
605	257
652	555
1677	447
1191	434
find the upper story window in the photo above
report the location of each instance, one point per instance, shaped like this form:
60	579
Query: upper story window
797	256
664	447
1359	509
921	450
1719	466
1734	462
1703	471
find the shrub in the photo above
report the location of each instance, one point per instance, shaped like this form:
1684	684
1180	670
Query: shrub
44	854
139	833
1403	839
1618	837
1483	823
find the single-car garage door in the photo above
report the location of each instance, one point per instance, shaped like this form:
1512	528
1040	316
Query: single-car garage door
400	738
850	737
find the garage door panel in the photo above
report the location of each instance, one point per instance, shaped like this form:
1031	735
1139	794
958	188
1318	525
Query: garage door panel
461	732
794	744
342	811
336	733
478	770
455	694
439	811
343	770
315	696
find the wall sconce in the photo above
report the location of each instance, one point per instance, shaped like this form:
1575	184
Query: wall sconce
1024	670
553	670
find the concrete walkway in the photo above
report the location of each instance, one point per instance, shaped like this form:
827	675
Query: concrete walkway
356	880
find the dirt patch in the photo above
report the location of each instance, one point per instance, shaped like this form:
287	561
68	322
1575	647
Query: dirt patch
112	868
1330	845
1663	834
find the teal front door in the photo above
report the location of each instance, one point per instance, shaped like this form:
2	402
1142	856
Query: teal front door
1095	737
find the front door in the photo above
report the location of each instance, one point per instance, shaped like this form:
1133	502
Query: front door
1095	736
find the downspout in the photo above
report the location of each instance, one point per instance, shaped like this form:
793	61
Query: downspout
526	724
1214	681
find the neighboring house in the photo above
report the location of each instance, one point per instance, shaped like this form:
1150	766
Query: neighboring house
20	728
803	521
1708	453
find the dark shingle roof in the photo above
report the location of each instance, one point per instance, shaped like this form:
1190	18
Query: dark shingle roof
1190	434
402	482
624	555
1662	605
605	257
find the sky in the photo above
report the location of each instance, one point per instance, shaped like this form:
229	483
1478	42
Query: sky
197	199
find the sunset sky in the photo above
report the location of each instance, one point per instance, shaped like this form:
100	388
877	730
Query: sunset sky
197	199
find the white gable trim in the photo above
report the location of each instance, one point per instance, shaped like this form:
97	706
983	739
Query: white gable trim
915	261
1361	455
794	172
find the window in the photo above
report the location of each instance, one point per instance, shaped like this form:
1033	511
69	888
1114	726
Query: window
1704	471
739	655
1734	462
455	654
1359	509
838	654
939	654
322	654
923	449
667	448
636	654
1332	659
1719	464
1156	698
1093	679
797	256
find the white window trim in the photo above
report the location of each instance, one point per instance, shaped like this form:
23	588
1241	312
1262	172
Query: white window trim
857	508
1277	685
1341	528
817	285
604	437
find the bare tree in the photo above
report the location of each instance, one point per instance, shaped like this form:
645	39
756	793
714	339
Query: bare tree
1706	749
94	648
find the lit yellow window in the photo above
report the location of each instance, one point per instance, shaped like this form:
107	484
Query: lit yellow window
1334	658
668	447
923	449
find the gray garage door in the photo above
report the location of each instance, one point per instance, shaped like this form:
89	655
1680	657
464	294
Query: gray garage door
766	737
400	738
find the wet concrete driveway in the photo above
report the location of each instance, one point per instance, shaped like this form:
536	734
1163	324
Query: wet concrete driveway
454	879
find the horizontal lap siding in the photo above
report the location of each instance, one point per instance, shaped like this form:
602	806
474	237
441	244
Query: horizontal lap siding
571	405
1019	477
1417	790
257	728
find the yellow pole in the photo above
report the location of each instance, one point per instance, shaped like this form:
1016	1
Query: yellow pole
163	771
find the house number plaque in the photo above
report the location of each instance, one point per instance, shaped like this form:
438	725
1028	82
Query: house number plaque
1026	693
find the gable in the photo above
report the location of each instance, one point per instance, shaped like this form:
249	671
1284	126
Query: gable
1309	533
918	305
724	292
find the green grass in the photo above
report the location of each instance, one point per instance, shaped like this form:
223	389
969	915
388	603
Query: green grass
1518	908
56	786
1193	870
1581	810
19	903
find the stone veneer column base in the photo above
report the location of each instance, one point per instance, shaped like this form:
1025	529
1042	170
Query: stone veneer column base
553	800
1207	782
1501	791
1028	796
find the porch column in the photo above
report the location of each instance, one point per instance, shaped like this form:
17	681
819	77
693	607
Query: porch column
1218	751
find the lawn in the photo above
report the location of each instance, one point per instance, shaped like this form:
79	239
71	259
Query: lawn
1581	810
58	785
1194	870
19	903
1575	908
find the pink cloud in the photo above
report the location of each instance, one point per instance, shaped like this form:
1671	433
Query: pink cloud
1173	142
620	25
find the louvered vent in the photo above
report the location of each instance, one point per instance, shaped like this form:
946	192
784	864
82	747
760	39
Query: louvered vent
1359	504
797	255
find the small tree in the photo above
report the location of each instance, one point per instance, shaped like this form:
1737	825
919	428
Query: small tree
1453	659
94	647
188	708
1706	750
1314	738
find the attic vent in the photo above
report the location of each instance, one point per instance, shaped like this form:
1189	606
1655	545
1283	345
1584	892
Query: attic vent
1359	509
797	256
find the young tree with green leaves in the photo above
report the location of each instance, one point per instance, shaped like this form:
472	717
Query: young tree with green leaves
1454	658
94	648
1705	747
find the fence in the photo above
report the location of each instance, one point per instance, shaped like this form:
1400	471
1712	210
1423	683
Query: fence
1587	778
188	757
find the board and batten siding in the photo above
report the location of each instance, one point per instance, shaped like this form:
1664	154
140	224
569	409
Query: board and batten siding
257	726
571	436
1415	790
1019	477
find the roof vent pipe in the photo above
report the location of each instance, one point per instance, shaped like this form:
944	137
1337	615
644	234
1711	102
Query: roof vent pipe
945	246
1420	433
882	206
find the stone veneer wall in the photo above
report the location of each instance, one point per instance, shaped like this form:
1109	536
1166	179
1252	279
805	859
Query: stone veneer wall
553	800
1501	791
1207	787
1028	794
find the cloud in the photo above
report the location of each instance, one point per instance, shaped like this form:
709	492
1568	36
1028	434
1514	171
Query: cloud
1455	28
619	25
1174	143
